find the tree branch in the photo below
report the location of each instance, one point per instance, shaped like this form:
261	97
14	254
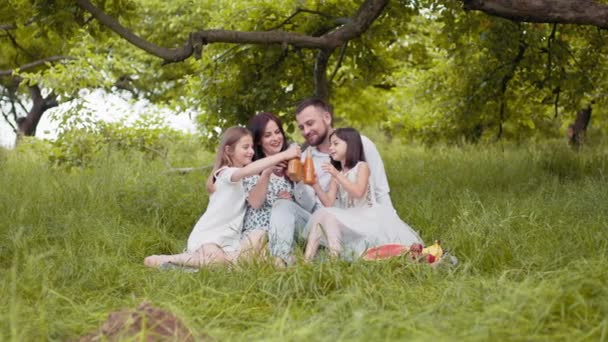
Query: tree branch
582	12
13	26
364	17
549	41
8	121
557	91
369	11
505	81
202	37
17	45
339	64
304	10
34	64
9	96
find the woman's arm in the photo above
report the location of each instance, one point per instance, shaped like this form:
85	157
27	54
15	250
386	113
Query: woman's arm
358	189
259	165
257	195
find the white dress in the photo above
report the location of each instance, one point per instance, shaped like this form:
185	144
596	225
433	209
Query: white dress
364	223
222	222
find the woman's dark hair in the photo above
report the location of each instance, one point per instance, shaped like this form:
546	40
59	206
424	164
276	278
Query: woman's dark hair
354	147
257	126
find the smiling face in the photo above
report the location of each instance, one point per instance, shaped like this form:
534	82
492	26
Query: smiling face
337	149
314	124
241	153
272	139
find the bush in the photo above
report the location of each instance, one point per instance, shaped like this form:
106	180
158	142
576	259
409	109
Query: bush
78	147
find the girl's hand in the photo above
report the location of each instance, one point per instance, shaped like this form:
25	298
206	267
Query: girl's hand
284	195
327	167
294	151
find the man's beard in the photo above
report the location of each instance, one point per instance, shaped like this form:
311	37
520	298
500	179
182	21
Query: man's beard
320	138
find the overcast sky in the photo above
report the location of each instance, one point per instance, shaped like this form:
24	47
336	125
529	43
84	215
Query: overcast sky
105	106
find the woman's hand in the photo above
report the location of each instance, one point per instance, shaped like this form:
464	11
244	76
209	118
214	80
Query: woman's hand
280	168
327	167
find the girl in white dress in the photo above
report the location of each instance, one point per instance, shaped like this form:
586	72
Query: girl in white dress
216	237
357	222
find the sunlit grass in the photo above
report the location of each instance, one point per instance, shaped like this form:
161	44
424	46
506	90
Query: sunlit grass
527	223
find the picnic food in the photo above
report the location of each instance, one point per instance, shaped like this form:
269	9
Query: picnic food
434	250
416	252
384	251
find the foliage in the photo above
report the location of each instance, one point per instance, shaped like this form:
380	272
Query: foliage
82	141
425	69
530	239
539	74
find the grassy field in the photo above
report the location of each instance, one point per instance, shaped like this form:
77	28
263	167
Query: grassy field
529	225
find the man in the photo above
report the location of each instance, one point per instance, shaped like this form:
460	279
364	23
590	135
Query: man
288	218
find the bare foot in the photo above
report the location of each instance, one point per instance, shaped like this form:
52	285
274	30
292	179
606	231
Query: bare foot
156	260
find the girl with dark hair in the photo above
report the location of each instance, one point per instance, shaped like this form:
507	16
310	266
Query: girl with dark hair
217	236
357	222
271	184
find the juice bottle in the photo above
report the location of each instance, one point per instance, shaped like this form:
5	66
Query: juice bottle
309	170
294	170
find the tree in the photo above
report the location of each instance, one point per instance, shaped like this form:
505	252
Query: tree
346	30
374	56
23	50
277	53
298	42
41	63
491	78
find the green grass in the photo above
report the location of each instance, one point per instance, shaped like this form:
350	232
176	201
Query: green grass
529	225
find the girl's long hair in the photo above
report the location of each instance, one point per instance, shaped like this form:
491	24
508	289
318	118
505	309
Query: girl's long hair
229	138
354	147
257	126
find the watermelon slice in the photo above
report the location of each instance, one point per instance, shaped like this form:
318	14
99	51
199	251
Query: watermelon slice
384	251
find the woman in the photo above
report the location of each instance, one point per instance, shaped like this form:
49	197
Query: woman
264	189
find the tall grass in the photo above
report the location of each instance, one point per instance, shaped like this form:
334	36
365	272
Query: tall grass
529	225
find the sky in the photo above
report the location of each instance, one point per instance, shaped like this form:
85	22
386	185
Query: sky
109	107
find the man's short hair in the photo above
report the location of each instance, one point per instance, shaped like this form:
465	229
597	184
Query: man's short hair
316	102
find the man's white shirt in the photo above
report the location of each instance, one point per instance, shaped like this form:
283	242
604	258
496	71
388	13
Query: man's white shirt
305	195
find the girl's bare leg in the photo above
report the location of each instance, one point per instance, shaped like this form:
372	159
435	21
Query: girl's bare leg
314	236
324	225
333	233
205	255
314	239
253	245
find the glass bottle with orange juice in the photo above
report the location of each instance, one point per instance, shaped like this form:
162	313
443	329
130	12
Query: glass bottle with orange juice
309	169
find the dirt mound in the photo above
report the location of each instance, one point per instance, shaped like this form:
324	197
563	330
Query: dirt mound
146	323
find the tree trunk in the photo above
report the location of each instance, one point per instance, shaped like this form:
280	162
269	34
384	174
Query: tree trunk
578	130
320	74
28	124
